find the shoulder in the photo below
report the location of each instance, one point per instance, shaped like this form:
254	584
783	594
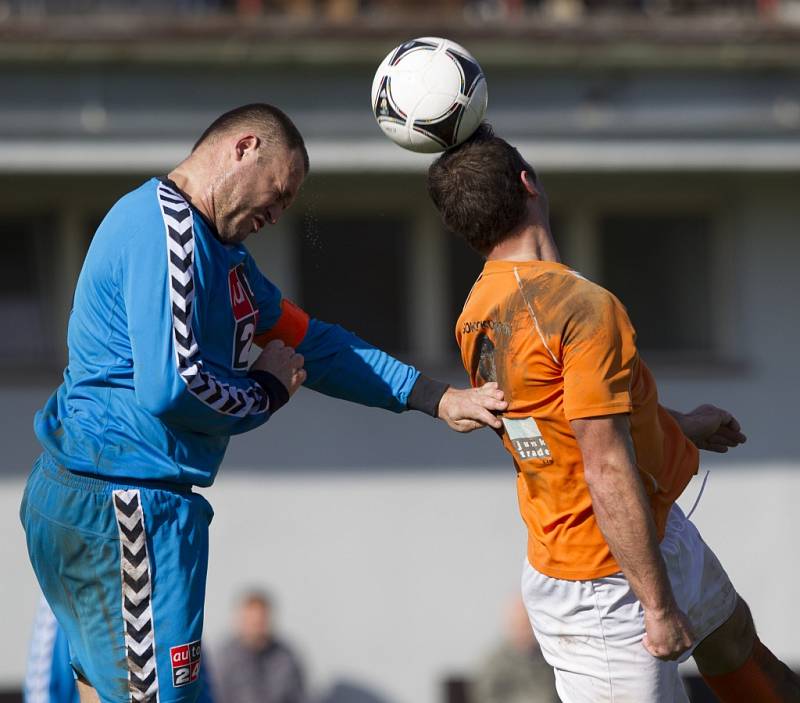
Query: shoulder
135	216
564	300
282	655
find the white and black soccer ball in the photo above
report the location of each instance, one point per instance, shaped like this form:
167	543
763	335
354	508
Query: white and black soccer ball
429	94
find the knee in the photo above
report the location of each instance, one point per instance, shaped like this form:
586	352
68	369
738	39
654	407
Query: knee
729	646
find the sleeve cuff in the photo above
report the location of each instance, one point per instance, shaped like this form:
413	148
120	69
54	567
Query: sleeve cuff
598	410
275	390
426	394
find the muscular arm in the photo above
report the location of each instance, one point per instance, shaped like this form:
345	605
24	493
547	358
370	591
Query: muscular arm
623	514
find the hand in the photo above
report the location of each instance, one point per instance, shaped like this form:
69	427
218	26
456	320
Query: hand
712	428
283	363
668	633
468	409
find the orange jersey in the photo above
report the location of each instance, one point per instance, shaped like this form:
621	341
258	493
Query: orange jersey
563	348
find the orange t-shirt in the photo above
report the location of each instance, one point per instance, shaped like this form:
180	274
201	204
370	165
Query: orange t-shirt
563	348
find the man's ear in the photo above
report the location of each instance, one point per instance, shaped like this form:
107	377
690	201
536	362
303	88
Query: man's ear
246	145
529	182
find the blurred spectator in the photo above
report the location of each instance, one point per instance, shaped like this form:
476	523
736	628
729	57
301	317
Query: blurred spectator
516	671
254	666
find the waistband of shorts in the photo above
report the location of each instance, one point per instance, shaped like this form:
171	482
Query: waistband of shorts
99	484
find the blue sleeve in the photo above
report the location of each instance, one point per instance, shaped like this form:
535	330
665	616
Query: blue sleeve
172	378
338	362
343	365
266	294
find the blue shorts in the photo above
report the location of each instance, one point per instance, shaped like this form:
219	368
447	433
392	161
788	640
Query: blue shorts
123	566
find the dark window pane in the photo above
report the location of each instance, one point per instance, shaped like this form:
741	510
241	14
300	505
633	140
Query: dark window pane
659	268
465	264
25	282
354	273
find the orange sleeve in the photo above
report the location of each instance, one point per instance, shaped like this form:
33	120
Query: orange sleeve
598	357
290	328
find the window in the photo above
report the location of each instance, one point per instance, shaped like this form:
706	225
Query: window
26	285
353	271
660	268
464	266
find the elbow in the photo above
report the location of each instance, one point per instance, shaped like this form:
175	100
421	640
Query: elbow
156	407
156	402
599	472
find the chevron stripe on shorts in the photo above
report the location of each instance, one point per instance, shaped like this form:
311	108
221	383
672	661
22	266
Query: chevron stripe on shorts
221	397
137	610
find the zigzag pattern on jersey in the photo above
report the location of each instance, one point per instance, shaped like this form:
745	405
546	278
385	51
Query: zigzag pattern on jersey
137	611
219	396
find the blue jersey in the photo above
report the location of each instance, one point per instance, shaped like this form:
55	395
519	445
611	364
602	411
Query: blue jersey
160	337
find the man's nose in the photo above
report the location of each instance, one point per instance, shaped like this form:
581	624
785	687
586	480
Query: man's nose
274	214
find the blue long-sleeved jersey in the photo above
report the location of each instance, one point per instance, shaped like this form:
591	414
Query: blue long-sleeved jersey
160	335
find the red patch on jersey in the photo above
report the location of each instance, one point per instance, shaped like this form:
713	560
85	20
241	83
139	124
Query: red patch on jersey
185	660
245	316
242	300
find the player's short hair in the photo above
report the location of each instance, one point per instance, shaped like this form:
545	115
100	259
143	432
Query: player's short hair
477	189
272	125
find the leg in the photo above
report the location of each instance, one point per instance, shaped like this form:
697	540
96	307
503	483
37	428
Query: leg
120	567
738	667
729	646
590	632
87	693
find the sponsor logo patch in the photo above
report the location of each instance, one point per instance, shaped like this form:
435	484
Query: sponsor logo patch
483	325
526	438
185	660
245	315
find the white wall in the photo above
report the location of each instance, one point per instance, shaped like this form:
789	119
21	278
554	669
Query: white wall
394	580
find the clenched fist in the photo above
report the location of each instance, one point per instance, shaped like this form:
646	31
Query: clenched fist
284	363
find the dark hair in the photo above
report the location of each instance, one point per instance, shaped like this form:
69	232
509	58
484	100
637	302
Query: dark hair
273	124
477	189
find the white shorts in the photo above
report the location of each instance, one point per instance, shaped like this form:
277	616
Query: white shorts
591	632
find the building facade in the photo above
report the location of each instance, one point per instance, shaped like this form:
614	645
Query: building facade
672	158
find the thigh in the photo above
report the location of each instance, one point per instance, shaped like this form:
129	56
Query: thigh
591	633
129	596
727	647
700	584
79	576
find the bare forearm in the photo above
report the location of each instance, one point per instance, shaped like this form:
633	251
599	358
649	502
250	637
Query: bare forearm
710	428
624	517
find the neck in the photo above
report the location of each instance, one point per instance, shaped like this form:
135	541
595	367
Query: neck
533	242
188	177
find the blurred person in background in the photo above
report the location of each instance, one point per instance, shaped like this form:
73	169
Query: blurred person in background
515	671
254	666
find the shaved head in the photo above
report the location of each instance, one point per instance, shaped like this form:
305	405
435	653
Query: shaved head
245	170
270	124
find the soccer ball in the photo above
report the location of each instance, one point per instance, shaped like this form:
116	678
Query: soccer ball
429	94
